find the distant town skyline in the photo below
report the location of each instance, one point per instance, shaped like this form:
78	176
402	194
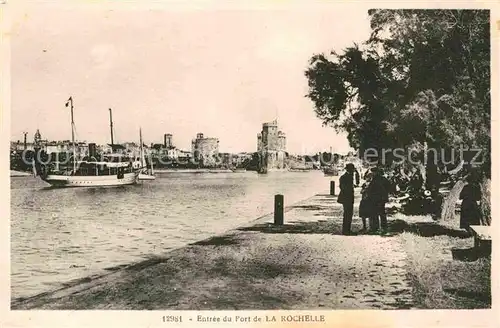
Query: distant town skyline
175	70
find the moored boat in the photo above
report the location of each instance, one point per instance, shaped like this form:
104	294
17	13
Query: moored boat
145	174
330	171
88	173
93	174
299	169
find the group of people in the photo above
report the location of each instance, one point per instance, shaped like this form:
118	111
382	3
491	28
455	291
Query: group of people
375	194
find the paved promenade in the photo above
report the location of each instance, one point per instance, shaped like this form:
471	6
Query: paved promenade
14	173
304	264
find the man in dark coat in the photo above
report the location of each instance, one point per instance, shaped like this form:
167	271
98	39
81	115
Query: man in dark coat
379	190
346	196
470	210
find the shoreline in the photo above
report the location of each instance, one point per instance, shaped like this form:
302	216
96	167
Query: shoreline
145	262
194	171
14	173
163	170
268	260
304	264
17	174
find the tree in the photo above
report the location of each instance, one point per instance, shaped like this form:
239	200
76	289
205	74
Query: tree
421	80
347	92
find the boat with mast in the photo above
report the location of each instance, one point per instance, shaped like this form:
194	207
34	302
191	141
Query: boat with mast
145	173
88	173
331	169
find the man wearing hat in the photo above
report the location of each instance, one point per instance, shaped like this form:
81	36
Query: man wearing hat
380	188
346	196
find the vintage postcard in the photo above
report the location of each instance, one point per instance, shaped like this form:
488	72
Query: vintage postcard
254	164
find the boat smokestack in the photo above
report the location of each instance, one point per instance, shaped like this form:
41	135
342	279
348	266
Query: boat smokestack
165	140
92	150
111	125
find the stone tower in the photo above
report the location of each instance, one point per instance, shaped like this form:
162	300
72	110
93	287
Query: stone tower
205	150
271	146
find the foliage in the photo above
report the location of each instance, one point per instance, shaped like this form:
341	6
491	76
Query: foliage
486	202
421	80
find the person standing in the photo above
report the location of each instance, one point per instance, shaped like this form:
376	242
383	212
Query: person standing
365	207
470	212
378	193
346	196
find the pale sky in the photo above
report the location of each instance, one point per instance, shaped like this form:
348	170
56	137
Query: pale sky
219	71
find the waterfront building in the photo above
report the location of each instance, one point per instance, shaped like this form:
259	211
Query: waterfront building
131	148
158	150
165	149
183	156
166	154
81	149
167	141
239	159
104	149
173	153
205	150
19	146
52	147
58	147
271	146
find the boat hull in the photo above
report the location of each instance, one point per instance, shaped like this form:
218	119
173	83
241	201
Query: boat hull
64	181
299	170
331	172
146	177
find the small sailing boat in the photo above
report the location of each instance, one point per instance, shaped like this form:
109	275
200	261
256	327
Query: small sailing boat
332	169
145	173
89	173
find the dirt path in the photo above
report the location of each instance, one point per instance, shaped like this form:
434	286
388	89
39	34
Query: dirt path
305	264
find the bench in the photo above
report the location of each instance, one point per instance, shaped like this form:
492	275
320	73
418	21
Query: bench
482	238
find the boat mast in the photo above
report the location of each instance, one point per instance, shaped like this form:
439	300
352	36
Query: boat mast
141	150
332	158
70	101
111	126
150	162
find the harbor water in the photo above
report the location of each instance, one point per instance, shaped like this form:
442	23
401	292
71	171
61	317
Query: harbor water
62	234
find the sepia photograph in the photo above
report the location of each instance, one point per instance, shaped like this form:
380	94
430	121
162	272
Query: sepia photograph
236	157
